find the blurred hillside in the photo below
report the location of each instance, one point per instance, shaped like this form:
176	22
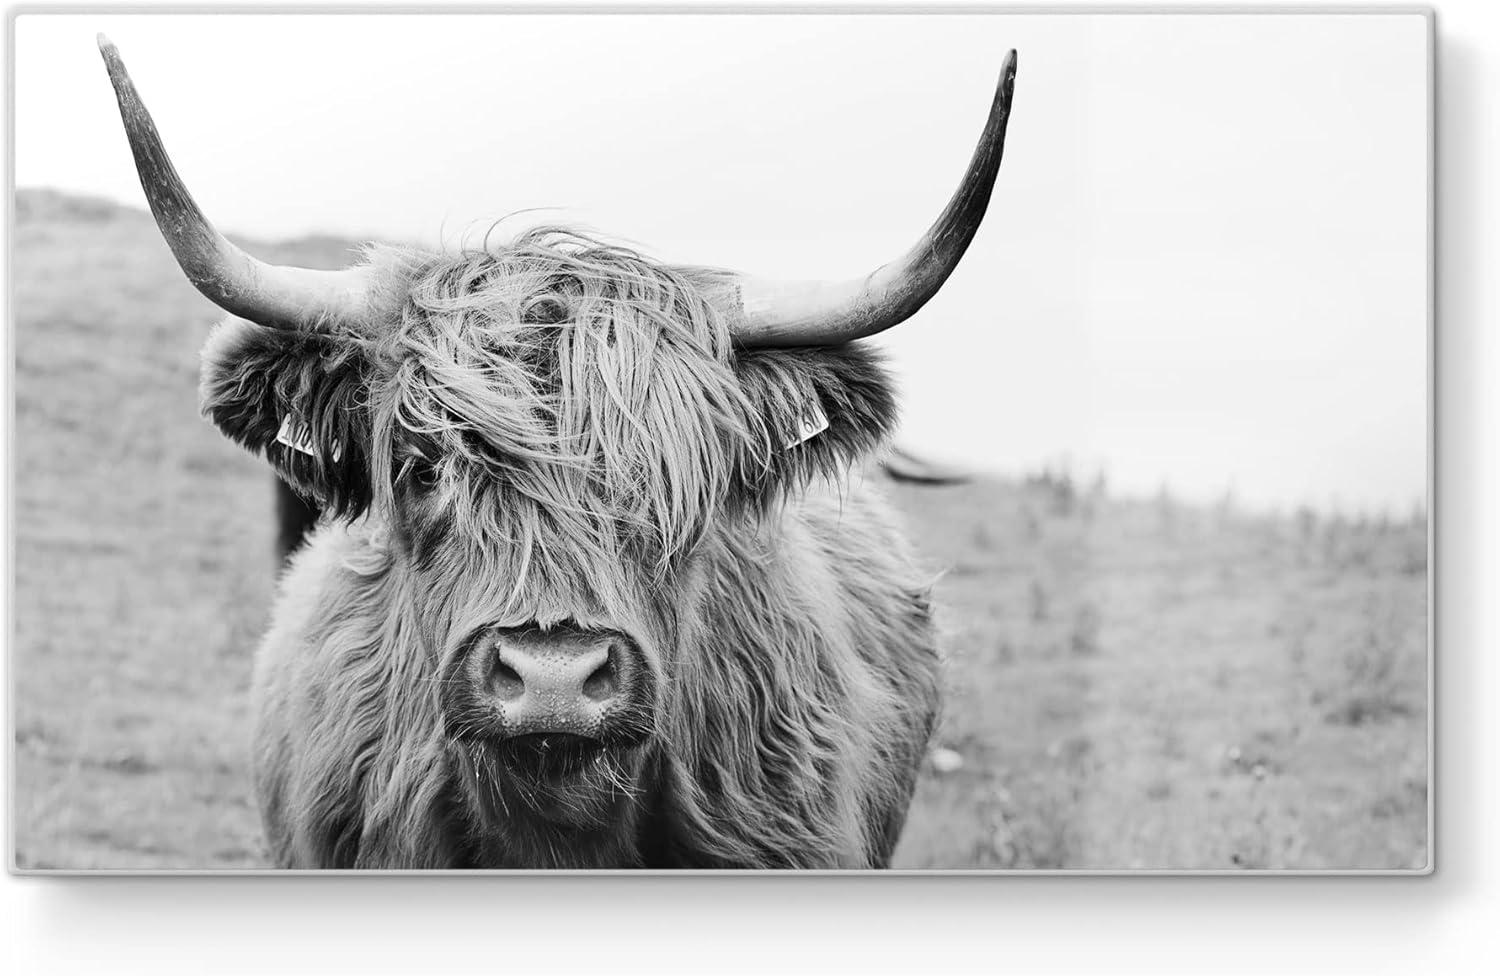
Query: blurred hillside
142	552
1132	683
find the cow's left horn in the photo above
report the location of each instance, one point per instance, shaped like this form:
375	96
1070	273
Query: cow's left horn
808	313
268	294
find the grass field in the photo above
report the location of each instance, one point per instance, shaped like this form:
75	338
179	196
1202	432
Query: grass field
1131	683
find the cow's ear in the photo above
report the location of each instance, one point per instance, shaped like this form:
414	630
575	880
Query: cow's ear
298	399
823	408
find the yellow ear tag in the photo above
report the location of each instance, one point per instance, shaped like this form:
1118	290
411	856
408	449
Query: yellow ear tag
298	436
810	424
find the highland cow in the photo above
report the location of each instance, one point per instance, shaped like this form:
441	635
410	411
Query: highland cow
596	583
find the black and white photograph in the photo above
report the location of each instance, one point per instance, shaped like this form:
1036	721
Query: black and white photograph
984	442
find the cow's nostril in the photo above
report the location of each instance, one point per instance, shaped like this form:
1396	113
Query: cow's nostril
562	683
506	682
604	682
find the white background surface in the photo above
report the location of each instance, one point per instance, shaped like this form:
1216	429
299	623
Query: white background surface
1204	266
1442	924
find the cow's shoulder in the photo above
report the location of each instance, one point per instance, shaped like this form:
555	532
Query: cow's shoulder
885	600
809	614
860	538
324	682
320	582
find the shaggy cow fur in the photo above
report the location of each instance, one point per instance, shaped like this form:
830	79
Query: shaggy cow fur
555	433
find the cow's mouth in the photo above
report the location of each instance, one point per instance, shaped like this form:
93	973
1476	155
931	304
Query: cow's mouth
567	779
552	757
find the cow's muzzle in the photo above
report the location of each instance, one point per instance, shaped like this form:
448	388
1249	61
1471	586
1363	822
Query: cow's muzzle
565	681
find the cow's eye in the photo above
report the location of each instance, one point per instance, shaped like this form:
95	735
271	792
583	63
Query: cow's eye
422	473
544	310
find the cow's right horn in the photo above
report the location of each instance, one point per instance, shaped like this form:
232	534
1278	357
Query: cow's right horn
267	294
814	313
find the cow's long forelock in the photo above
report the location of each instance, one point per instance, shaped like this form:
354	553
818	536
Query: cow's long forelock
571	399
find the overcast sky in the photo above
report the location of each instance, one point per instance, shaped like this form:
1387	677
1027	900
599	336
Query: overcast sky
1205	264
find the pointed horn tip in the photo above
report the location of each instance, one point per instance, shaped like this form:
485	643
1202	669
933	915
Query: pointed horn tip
925	269
113	63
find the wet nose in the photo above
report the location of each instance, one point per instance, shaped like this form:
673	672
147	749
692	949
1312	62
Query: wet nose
543	683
